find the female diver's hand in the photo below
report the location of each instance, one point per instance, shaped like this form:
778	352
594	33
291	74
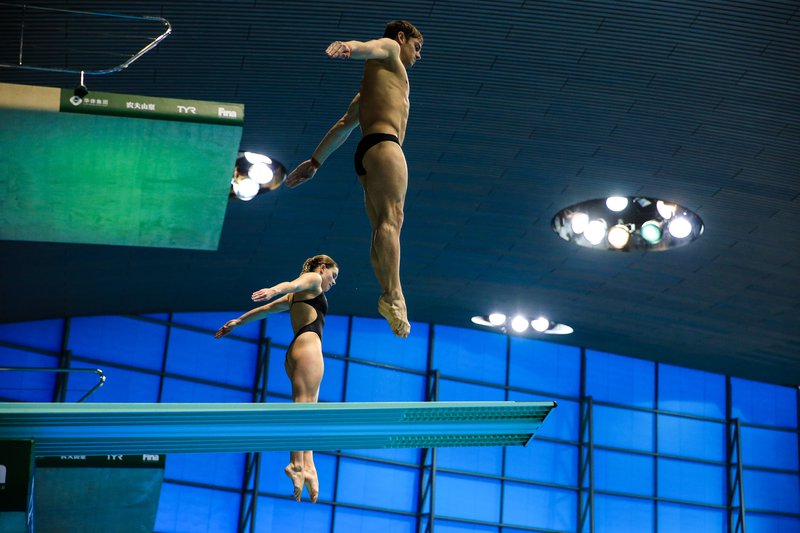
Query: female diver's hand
263	295
227	328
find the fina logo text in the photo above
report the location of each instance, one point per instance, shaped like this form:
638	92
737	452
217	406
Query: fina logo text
226	113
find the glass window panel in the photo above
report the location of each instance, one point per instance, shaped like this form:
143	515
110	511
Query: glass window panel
332	387
452	391
445	526
279	328
469	353
352	520
220	469
692	482
367	383
692	392
277	380
540	507
213	321
179	390
675	518
769	448
562	422
335	334
373	341
44	334
184	509
119	339
623	428
279	515
403	455
686	437
27	386
273	479
543	461
764	404
484	460
121	385
622	515
199	355
468	497
764	523
623	472
545	366
771	491
618	379
356	484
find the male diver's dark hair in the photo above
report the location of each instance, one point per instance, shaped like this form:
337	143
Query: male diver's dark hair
396	26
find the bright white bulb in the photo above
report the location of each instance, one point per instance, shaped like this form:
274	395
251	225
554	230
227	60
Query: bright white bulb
616	203
595	231
540	324
578	222
245	189
254	158
667	211
497	319
519	323
680	228
261	173
618	236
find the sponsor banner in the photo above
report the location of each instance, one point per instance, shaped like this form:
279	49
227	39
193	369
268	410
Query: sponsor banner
102	461
133	106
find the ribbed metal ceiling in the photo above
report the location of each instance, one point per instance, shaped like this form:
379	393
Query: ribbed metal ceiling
518	110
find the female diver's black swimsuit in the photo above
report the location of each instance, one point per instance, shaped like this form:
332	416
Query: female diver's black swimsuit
320	305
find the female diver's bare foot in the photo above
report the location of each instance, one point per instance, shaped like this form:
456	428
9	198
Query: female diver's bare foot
295	473
395	313
311	482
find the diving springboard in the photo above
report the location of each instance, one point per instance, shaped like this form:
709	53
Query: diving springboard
156	428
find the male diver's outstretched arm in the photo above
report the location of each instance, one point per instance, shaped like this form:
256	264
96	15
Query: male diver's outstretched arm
335	137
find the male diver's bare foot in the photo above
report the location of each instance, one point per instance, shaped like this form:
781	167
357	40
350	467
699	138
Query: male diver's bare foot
395	313
311	482
295	473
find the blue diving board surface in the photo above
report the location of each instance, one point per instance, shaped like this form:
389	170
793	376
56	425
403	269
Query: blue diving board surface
143	428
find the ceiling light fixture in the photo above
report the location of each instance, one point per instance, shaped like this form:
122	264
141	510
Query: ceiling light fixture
521	324
628	224
254	174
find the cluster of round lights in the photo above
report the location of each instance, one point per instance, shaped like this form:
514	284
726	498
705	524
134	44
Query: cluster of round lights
628	224
520	324
255	173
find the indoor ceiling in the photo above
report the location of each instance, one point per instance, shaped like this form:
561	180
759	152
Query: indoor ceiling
518	109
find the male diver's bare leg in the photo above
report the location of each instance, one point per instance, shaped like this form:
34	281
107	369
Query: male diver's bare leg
385	187
305	367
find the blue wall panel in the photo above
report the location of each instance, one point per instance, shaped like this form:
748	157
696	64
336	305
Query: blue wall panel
44	334
769	448
546	367
373	341
688	437
366	383
379	485
120	386
623	472
691	392
220	360
692	482
213	321
468	497
622	515
622	428
534	506
543	461
675	518
469	353
276	514
220	469
27	386
762	403
352	520
179	390
771	491
618	379
184	509
761	523
119	339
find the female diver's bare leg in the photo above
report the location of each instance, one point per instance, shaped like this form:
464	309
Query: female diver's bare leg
305	367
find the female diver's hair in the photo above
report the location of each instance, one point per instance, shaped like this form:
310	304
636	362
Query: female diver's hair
313	262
